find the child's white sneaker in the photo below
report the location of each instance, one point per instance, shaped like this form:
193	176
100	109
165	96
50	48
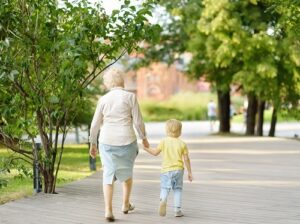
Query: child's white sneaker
178	214
162	208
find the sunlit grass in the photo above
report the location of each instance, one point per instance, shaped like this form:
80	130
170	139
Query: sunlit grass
189	106
16	188
74	166
267	117
186	106
188	99
182	106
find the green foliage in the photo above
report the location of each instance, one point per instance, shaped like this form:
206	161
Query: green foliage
289	14
176	23
10	163
3	171
3	183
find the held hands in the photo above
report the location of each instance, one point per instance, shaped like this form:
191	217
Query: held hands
93	151
145	143
146	147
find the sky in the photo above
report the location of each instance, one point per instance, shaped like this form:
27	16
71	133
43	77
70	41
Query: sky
110	5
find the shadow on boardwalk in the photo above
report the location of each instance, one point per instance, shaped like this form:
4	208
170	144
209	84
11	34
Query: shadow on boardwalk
237	180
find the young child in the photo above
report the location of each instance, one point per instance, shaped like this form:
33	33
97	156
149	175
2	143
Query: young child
174	152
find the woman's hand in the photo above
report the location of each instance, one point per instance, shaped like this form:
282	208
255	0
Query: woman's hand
145	143
93	151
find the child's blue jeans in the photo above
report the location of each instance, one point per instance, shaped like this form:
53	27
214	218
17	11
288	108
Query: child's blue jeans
172	180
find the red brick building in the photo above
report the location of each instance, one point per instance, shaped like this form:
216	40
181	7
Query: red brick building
160	81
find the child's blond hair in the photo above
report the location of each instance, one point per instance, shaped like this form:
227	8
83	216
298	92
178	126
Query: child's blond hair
173	128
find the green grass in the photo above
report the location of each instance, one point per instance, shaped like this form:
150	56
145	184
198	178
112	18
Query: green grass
183	106
74	166
267	117
190	106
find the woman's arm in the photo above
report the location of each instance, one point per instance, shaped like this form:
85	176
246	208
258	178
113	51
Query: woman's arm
138	119
95	127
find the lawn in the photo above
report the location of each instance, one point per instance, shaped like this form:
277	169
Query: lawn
182	106
267	117
74	166
185	106
188	106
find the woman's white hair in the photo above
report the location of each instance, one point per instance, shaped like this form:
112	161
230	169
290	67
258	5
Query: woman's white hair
113	78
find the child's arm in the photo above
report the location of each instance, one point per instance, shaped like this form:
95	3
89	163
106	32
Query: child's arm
152	151
188	166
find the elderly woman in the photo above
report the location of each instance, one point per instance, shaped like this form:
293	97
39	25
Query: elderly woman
116	113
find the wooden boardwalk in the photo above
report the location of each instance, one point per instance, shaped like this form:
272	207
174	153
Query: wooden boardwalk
237	181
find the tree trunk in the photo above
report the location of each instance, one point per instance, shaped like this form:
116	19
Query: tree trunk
273	123
260	118
92	161
48	176
251	114
77	134
224	111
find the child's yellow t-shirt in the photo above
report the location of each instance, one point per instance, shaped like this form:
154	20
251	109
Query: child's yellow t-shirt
172	150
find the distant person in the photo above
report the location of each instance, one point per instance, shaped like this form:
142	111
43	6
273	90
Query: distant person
212	114
116	113
232	111
174	155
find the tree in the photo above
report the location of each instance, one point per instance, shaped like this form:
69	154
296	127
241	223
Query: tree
216	49
258	76
287	32
268	67
215	35
286	97
239	40
50	54
181	34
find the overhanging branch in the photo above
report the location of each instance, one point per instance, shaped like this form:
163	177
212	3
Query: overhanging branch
14	146
102	70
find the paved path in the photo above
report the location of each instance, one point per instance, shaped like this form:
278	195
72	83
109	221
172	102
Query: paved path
237	181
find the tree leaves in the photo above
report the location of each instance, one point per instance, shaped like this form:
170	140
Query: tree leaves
254	2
